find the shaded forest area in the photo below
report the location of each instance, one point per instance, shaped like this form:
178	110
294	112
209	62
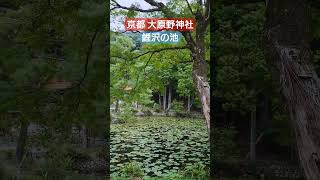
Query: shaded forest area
267	89
53	86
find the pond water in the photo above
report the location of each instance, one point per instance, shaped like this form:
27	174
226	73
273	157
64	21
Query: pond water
160	145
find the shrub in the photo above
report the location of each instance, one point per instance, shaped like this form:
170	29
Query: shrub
197	171
174	175
128	109
224	146
127	115
177	106
132	170
156	108
147	111
59	162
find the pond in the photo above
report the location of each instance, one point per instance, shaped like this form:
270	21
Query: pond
161	145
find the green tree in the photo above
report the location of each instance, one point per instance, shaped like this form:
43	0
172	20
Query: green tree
185	84
53	65
194	42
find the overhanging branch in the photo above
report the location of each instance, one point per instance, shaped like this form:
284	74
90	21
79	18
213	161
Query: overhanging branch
189	7
132	8
154	3
88	54
125	31
89	51
144	70
152	53
160	50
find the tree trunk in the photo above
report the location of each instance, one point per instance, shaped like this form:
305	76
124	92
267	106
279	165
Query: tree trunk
197	48
164	98
200	74
203	88
189	103
169	97
85	142
287	36
253	136
22	140
117	105
264	112
160	100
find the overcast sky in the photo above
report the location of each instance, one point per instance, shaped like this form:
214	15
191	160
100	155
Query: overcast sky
142	3
117	23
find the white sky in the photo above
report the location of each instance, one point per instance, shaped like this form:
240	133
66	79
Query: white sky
117	23
142	3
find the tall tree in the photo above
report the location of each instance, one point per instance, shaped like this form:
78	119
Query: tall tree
286	37
45	40
185	86
196	44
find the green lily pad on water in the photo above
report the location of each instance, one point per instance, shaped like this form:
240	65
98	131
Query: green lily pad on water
160	145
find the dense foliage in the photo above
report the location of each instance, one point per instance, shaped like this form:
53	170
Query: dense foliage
41	41
161	146
53	71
